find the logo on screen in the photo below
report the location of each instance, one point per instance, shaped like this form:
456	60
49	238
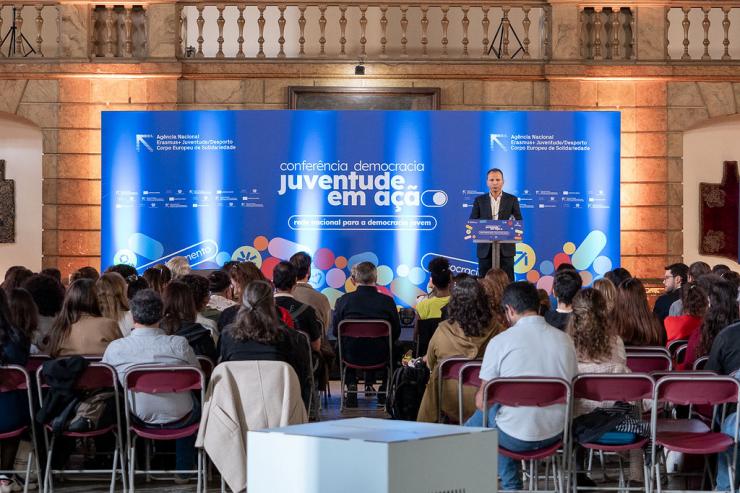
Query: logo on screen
496	142
141	141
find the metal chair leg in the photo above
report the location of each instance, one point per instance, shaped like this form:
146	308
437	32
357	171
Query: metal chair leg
47	473
114	471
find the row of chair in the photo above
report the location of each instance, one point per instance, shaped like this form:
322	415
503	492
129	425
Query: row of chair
662	386
96	377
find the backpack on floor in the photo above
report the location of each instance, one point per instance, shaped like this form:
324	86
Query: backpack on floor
405	392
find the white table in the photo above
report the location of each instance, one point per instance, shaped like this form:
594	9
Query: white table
365	455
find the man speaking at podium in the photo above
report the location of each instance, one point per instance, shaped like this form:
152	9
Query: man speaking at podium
496	204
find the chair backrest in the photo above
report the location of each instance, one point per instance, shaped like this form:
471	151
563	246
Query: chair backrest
680	353
697	389
364	329
152	379
206	365
601	387
425	329
449	369
13	378
95	376
35	361
648	362
647	349
674	346
469	375
700	363
526	391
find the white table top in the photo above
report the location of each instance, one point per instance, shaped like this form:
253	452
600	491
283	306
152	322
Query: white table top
375	430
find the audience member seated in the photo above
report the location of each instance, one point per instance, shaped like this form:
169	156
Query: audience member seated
148	344
14	348
257	334
80	328
24	315
305	293
201	295
724	358
52	272
565	286
155	278
111	292
241	274
675	276
219	287
15	277
618	276
530	347
84	273
494	283
720	269
440	279
179	266
635	322
722	311
694	302
135	284
126	271
609	291
465	333
696	271
303	315
180	319
48	294
365	303
545	305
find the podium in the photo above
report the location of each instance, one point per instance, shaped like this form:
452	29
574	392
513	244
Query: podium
496	232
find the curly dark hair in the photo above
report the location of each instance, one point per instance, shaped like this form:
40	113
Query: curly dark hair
723	311
469	307
47	293
589	326
257	319
694	300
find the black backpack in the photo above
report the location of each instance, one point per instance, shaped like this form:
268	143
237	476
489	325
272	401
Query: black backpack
406	391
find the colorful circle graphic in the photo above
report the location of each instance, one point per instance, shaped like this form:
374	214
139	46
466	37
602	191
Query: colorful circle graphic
323	258
524	258
569	248
125	256
335	278
260	243
248	254
385	275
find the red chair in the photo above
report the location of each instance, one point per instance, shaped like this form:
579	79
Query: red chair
693	390
700	363
647	349
469	376
152	379
15	378
95	377
674	346
35	361
364	330
680	353
647	362
630	387
449	369
533	392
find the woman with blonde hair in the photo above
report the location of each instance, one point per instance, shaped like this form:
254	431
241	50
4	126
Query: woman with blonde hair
609	291
111	291
179	266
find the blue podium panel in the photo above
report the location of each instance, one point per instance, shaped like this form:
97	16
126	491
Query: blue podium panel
391	187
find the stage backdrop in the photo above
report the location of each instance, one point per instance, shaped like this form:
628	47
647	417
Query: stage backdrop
391	187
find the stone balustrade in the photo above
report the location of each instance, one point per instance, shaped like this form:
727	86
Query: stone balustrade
518	30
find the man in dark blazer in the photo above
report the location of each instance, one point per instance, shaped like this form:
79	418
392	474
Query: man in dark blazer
496	204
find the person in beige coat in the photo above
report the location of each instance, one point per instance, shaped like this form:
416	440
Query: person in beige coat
242	396
465	333
80	328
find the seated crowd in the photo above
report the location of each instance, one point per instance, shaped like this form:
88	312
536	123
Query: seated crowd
171	316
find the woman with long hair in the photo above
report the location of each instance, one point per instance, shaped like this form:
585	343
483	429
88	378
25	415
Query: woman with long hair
635	322
15	277
111	292
722	311
180	314
465	333
14	349
80	328
609	291
156	278
48	294
494	283
694	304
257	334
24	315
